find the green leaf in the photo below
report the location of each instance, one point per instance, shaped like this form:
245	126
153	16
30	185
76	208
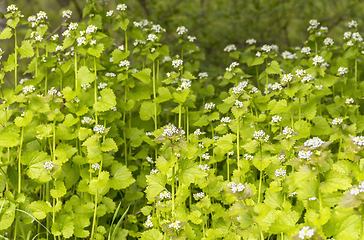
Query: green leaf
202	121
189	171
143	75
146	111
321	126
273	199
163	165
63	226
9	65
303	128
109	145
118	55
163	95
181	96
251	147
156	183
7	214
257	61
335	181
226	142
349	229
108	100
278	107
309	110
59	191
152	234
122	177
96	50
40	209
9	139
6	33
100	182
26	50
284	222
273	68
307	189
85	76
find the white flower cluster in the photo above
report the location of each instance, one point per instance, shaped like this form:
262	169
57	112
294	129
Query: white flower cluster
203	75
209	106
318	59
170	130
154	171
238	104
248	157
287	131
200	195
307	78
313	24
337	121
254	90
121	7
48	165
191	38
23	80
91	29
177	63
67	13
149	223
109	74
359	140
149	159
41	16
99	129
236	187
289	55
349	101
136	42
300	72
357	189
157	28
287	78
251	41
312	198
342	71
86	120
36	36
306	232
275	86
352	23
102	85
181	30
59	48
328	41
109	13
53	92
231	153
124	63
86	86
152	37
12	8
276	119
240	88
305	154
81	41
357	37
72	26
306	50
176	225
28	89
165	195
206	156
55	37
232	66
197	132
280	172
261	135
204	167
185	83
230	48
95	166
225	120
314	142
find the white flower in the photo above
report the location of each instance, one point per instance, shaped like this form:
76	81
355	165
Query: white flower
41	16
185	83
266	48
22	81
347	35
275	86
238	104
55	37
350	43
280	172
181	30
121	7
102	85
307	78
258	54
28	89
86	86
288	132
154	171
152	37
91	29
254	90
177	63
289	55
225	120
306	50
342	70
248	157
149	159
99	129
357	37
72	26
67	13
148	134
52	91
11	8
359	140
95	166
337	121
251	41
231	153
300	72
259	135
206	156
238	218
230	48
355	190
292	194
328	41
349	101
66	33
314	142
200	195
165	195
81	41
109	13
276	119
176	225
86	120
93	42
305	232
113	109
204	167
317	59
48	165
240	88
305	154
236	187
124	63
312	198
157	28
203	75
191	38
149	223
209	106
352	23
197	132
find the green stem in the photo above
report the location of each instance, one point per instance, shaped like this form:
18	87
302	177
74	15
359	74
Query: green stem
188	124
238	142
94	217
179	115
19	160
46	75
356	80
299	108
16	59
173	176
228	167
95	89
36	61
76	82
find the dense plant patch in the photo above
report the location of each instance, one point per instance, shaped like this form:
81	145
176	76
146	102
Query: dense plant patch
118	138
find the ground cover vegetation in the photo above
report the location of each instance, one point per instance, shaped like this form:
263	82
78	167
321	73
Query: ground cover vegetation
125	141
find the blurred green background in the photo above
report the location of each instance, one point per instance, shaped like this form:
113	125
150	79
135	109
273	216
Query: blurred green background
217	23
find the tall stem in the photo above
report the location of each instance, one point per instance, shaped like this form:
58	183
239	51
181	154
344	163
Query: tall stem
46	75
238	142
16	59
94	217
76	82
173	190
19	159
95	88
180	115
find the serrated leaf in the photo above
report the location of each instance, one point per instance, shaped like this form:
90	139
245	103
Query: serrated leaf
146	111
189	171
202	121
85	76
163	95
143	75
273	68
40	209
108	100
251	147
26	50
122	177
321	126
335	181
6	33
156	183
152	234
96	50
9	139
59	191
109	145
